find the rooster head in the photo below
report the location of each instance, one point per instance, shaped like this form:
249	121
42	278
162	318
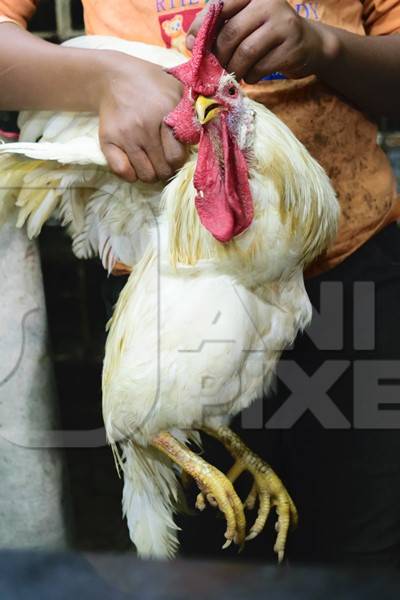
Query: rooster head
213	114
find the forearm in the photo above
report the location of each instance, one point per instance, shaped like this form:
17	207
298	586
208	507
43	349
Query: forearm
35	74
365	69
131	96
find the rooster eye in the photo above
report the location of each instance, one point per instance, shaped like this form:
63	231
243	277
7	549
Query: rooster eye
232	91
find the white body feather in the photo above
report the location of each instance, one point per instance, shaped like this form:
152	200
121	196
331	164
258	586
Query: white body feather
199	326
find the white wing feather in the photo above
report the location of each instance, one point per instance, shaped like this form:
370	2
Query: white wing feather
80	151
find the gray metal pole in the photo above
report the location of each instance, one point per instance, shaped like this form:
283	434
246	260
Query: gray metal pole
32	494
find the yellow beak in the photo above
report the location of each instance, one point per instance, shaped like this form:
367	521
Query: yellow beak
206	109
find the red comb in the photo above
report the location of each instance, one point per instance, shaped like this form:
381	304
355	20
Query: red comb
203	72
223	199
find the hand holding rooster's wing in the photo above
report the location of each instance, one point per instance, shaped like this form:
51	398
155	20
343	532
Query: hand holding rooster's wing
136	97
132	96
258	37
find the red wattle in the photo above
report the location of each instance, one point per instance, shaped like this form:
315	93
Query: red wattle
183	121
224	202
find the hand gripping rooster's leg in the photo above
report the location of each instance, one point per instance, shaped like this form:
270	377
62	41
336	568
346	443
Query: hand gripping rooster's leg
267	486
211	481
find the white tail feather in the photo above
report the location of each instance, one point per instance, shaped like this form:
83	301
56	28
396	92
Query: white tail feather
149	497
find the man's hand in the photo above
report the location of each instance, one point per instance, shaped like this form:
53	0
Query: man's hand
258	37
131	96
136	97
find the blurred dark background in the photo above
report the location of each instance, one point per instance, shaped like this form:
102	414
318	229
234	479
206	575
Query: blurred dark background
77	319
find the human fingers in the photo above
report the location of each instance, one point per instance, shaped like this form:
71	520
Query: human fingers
235	31
155	152
119	162
253	49
175	152
280	58
231	7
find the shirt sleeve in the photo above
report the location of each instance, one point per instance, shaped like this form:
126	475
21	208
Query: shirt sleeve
381	17
17	11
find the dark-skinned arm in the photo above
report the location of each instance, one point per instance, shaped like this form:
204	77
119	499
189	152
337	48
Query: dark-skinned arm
131	96
259	37
365	69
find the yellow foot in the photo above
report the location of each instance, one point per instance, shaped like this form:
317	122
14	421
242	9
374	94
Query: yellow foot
267	488
212	483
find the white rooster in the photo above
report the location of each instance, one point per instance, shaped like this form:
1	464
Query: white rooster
216	291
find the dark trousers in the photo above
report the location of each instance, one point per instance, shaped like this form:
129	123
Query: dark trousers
339	455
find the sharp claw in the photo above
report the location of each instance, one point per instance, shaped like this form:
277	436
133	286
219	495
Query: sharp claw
227	544
200	502
267	491
251	536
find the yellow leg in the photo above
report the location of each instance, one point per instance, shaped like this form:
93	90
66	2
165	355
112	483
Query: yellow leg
211	482
267	487
233	473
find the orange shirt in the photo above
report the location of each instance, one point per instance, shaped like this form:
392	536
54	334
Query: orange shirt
339	136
